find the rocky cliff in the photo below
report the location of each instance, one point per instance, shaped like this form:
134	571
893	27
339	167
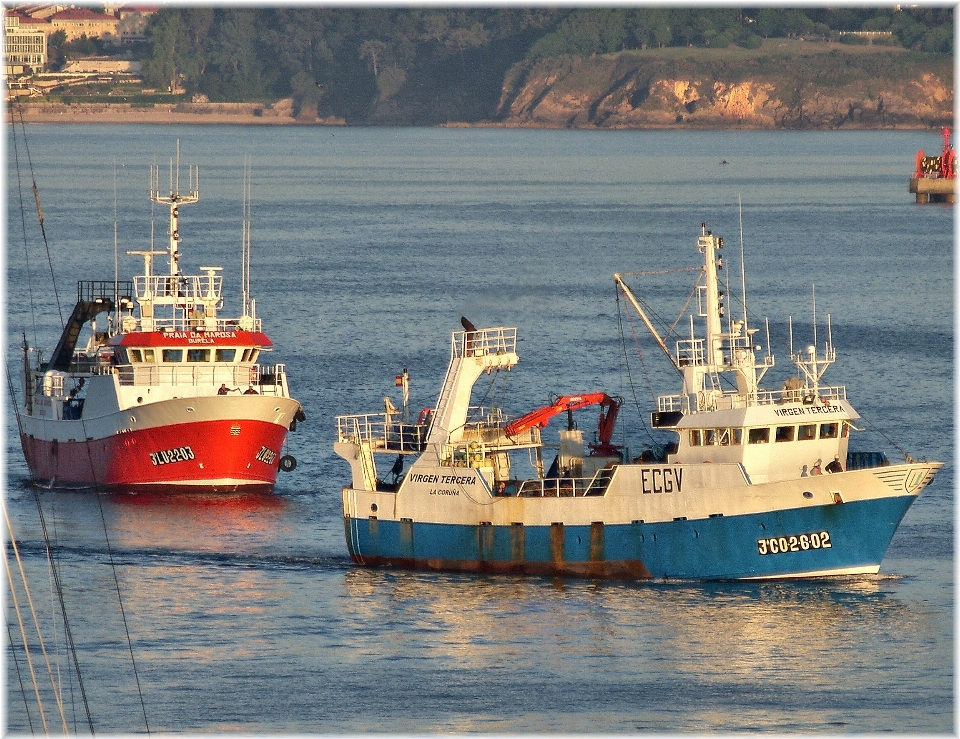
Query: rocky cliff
831	89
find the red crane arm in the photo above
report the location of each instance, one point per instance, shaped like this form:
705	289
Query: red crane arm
541	416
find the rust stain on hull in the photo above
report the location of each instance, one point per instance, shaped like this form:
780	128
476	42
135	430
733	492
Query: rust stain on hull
619	570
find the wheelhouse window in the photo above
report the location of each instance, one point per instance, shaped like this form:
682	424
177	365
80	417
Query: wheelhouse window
807	432
250	355
198	355
149	355
726	437
172	355
696	439
225	355
829	430
785	433
758	436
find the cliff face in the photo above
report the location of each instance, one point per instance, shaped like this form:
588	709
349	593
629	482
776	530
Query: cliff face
833	90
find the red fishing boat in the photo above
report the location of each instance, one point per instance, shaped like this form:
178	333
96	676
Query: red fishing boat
164	391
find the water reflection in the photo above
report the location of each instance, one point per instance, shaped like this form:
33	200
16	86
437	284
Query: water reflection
193	521
137	522
750	650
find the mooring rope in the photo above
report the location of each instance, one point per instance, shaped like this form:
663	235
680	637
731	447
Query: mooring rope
123	615
36	197
36	623
23	690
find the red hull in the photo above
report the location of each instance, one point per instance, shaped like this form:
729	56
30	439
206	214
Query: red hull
216	454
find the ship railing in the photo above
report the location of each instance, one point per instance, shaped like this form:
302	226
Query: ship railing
566	487
269	379
691	352
191	321
266	380
486	417
53	384
488	429
177	288
492	439
91	290
81	364
382	431
478	445
715	401
478	343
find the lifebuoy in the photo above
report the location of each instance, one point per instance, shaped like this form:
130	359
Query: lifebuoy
425	416
288	463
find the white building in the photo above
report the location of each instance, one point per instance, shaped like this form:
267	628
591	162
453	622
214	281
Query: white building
25	46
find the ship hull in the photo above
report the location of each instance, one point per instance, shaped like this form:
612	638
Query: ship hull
816	541
223	446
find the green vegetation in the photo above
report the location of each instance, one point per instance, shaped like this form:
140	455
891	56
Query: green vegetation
396	65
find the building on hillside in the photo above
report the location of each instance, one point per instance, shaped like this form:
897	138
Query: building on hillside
79	22
133	22
40	10
25	45
870	36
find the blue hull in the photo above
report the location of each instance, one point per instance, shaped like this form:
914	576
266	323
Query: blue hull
824	540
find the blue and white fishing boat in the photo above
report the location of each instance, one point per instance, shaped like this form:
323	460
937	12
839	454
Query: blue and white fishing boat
738	494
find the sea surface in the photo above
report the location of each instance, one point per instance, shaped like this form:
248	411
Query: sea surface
243	614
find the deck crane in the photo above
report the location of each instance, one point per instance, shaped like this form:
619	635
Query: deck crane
609	408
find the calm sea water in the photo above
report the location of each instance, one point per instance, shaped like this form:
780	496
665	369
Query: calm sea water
244	613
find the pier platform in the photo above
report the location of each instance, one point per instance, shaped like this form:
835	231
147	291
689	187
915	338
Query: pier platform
934	189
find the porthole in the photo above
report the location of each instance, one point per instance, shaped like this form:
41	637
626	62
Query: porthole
807	494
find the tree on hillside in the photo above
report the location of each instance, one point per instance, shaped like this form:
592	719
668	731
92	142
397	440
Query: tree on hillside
649	27
176	40
56	55
374	49
461	39
780	23
163	33
584	33
937	40
300	39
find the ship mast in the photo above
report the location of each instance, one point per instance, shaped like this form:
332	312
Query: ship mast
812	364
197	297
701	360
173	201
